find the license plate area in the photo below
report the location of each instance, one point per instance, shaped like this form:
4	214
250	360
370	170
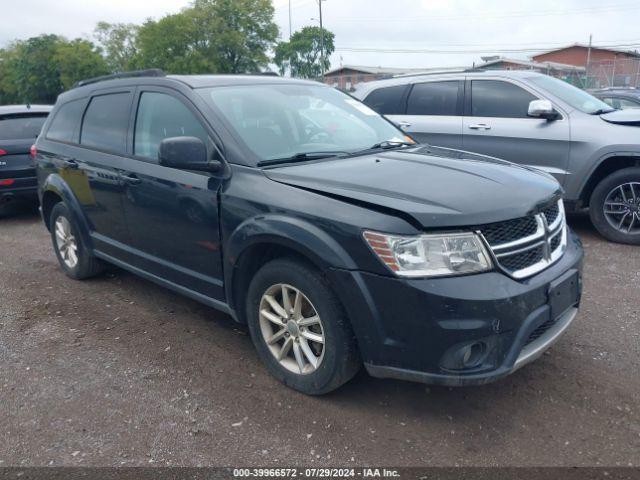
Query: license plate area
564	293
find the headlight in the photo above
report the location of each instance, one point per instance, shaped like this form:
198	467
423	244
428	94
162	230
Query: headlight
430	255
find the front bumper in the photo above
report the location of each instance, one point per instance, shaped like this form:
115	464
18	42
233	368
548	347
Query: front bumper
408	328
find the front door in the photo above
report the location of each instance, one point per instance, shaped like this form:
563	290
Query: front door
496	124
172	214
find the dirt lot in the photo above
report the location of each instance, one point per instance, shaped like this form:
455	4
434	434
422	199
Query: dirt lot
118	371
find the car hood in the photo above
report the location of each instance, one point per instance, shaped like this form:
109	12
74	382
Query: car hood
435	187
630	116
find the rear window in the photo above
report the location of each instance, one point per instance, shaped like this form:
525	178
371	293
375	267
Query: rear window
106	121
66	121
21	127
387	101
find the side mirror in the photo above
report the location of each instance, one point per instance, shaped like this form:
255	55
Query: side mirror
186	153
542	109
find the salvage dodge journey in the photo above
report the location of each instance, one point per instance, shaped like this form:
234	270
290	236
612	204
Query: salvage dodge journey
304	214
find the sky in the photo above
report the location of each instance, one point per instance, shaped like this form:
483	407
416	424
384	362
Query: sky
390	33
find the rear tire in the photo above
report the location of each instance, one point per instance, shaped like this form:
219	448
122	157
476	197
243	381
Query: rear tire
619	192
308	365
74	258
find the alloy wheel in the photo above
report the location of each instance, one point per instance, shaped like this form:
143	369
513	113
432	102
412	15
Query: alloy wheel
622	208
292	329
66	242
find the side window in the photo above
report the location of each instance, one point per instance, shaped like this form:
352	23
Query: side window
386	101
626	103
434	98
494	98
66	121
106	121
162	116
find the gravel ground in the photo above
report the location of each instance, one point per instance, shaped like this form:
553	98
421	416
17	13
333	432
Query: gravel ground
118	371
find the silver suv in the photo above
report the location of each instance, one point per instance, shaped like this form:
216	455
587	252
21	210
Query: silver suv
532	119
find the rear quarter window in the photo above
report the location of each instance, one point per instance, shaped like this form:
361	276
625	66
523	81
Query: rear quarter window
21	127
66	122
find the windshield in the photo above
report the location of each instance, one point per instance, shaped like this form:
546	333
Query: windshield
282	121
578	99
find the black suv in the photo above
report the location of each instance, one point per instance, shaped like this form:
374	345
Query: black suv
19	127
301	212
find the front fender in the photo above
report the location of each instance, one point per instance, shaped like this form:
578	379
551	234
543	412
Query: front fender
300	235
296	234
54	183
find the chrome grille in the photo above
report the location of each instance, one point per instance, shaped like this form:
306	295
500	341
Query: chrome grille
526	246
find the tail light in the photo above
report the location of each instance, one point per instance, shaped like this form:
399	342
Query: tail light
2	152
7	182
33	151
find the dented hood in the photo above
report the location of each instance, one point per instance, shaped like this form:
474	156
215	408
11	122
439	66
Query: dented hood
437	187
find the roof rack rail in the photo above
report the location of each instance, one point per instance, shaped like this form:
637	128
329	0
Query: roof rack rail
443	71
152	72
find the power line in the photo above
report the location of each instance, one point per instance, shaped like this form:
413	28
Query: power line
456	52
515	14
533	45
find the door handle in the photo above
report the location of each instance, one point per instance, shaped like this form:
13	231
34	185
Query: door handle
404	125
480	126
131	179
70	164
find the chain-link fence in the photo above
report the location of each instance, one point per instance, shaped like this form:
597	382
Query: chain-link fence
613	73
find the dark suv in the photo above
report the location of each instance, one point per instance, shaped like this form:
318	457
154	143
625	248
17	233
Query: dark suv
19	127
301	212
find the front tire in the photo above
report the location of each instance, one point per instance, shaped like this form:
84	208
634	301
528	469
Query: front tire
614	207
300	329
74	258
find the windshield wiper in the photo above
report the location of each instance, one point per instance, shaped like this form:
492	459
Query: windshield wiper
387	144
603	110
301	157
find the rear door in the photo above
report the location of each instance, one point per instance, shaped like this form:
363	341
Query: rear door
172	214
91	169
434	113
17	133
496	124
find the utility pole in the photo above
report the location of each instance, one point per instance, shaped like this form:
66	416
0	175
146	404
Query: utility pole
588	60
289	20
321	40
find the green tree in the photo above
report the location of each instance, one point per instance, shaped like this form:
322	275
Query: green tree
168	44
38	69
210	36
303	55
118	42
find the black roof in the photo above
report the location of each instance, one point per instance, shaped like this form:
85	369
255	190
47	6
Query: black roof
21	109
201	81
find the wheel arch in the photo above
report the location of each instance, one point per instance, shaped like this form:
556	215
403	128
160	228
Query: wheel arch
55	190
608	164
260	240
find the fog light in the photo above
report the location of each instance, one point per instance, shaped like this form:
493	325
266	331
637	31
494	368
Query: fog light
467	356
473	354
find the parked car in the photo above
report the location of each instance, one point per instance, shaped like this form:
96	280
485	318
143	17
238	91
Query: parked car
619	98
531	119
423	263
19	127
